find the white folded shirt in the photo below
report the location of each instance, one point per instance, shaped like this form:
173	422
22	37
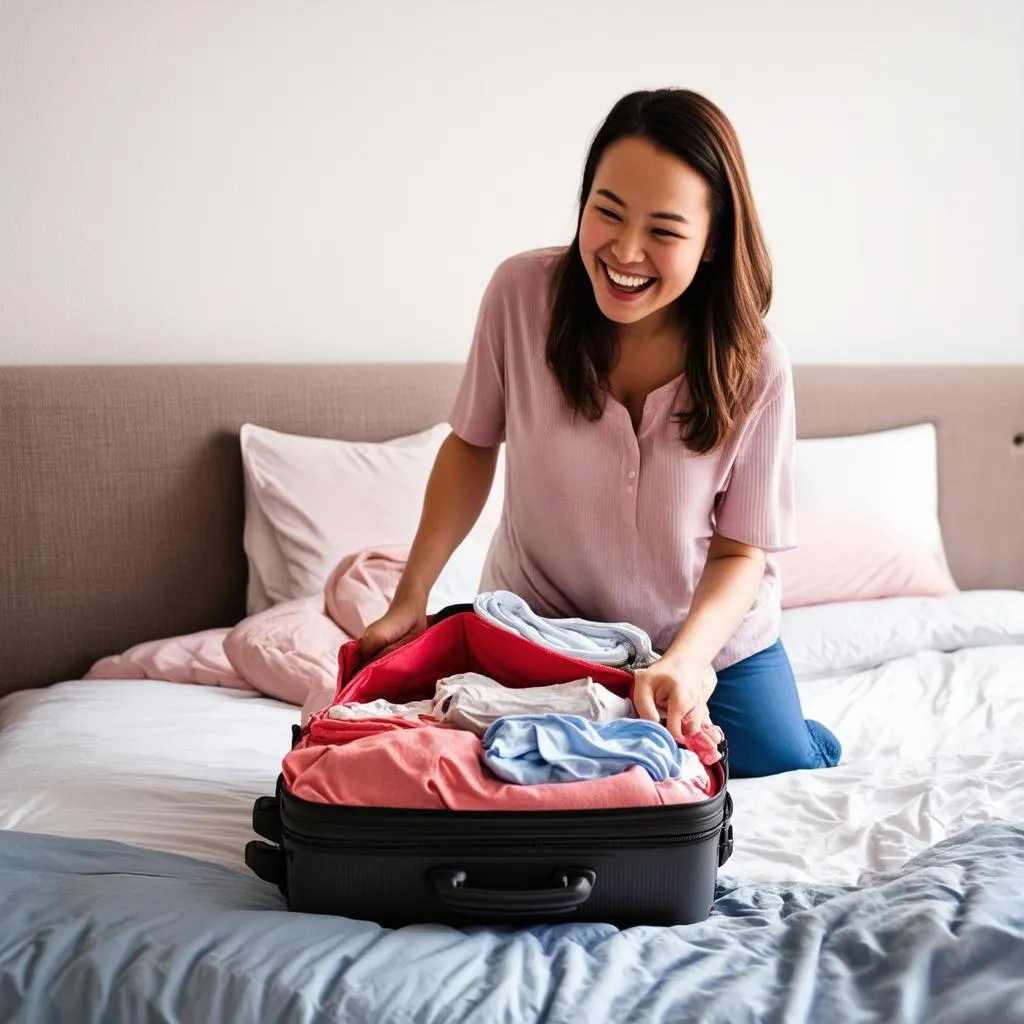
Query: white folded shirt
472	701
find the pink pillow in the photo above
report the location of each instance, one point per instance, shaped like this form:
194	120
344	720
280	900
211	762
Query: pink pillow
195	658
843	556
289	652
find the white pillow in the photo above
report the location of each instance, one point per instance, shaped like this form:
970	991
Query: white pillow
890	473
309	501
867	511
829	639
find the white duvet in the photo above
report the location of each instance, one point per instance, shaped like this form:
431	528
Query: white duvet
927	696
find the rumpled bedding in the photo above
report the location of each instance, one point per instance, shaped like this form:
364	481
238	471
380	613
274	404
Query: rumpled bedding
95	931
289	652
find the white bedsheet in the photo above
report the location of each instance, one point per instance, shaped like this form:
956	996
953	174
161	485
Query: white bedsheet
933	743
162	765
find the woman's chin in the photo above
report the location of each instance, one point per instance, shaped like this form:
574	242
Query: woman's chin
619	313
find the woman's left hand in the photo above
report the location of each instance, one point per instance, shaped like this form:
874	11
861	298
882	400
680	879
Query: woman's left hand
682	690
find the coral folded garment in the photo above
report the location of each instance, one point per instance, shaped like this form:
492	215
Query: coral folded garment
473	701
618	644
340	733
437	768
536	749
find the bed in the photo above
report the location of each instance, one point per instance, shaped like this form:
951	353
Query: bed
890	888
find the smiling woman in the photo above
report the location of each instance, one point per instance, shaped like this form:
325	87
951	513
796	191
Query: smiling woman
669	258
649	428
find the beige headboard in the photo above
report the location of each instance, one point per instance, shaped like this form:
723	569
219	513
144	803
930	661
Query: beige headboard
121	503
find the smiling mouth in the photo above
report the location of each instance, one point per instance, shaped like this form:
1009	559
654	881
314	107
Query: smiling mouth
627	284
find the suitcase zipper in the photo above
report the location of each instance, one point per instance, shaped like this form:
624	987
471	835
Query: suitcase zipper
313	824
419	842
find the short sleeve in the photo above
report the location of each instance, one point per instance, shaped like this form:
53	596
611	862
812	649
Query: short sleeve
757	506
478	415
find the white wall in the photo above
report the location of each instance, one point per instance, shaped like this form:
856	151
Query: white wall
232	180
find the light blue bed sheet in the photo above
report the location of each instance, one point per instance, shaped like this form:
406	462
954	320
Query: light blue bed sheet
94	931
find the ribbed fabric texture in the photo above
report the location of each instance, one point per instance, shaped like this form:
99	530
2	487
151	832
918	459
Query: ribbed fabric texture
608	523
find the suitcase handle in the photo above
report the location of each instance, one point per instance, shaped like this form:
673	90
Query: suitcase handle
267	862
266	819
572	891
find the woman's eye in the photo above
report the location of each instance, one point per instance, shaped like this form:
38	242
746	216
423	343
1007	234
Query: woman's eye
664	233
608	213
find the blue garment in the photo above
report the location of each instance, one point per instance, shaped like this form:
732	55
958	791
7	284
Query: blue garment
529	749
618	644
757	706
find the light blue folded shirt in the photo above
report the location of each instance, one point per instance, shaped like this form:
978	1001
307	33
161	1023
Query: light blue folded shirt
531	749
618	644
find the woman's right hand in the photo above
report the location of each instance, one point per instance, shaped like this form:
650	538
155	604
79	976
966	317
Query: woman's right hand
402	621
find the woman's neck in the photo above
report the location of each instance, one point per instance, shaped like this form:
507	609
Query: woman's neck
655	329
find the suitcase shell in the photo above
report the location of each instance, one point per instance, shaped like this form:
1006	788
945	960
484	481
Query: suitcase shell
622	866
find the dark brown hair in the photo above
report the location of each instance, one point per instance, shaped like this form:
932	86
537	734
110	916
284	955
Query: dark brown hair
723	308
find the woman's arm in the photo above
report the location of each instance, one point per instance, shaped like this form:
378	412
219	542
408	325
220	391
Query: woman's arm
457	491
456	494
681	681
726	592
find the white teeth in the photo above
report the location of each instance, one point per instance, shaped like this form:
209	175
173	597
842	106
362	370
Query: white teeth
626	280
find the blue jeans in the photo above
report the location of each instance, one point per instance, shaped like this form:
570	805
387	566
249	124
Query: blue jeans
757	706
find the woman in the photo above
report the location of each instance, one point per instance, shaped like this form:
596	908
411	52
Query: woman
648	420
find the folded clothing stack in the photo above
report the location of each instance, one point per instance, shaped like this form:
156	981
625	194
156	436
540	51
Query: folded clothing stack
478	744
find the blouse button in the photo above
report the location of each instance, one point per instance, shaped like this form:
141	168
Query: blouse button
631	474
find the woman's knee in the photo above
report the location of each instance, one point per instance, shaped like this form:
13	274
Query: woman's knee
757	706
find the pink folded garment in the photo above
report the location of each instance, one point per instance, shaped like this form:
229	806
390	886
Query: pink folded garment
438	768
360	588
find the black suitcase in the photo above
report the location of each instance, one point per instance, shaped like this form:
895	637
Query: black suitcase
623	866
648	865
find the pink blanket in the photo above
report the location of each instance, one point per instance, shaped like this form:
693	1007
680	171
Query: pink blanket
289	652
402	764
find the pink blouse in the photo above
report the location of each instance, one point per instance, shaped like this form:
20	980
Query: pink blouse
609	523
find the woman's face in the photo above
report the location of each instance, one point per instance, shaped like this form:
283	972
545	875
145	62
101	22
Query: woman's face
644	230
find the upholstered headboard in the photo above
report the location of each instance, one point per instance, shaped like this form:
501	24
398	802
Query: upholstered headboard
121	503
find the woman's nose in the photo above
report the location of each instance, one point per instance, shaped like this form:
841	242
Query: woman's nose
627	248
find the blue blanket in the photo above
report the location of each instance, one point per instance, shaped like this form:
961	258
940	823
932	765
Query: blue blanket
98	931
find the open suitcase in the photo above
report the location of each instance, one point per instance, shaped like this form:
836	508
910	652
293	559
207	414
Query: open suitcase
395	866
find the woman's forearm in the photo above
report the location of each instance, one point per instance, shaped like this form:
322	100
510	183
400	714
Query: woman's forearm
726	592
457	491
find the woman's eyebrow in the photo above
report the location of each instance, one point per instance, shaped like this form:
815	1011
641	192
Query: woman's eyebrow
661	215
608	194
